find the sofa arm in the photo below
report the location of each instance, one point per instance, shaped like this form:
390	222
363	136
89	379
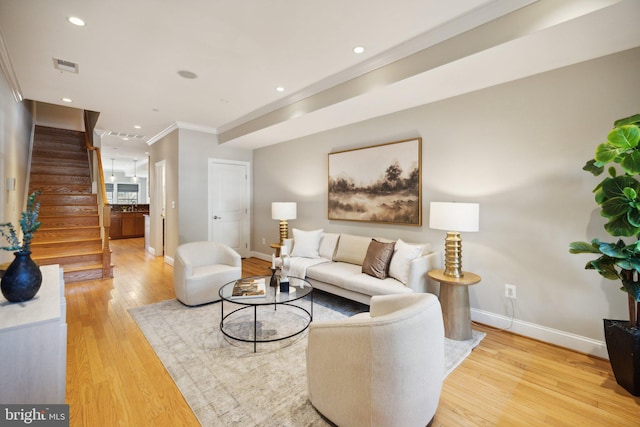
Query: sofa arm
418	278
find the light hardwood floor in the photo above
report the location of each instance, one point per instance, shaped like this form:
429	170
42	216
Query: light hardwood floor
115	379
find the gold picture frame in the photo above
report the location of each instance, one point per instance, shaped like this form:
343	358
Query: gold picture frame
379	183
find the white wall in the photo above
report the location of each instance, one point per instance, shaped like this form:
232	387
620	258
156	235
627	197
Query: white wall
186	153
517	149
16	126
196	148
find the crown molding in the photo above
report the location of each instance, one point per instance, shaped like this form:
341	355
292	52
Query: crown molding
9	73
196	127
181	125
162	133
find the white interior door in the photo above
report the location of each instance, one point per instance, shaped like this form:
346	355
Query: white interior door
229	204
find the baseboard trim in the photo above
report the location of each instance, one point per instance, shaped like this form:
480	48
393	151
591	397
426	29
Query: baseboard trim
542	333
168	260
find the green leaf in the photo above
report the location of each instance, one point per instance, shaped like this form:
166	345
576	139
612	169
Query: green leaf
606	268
631	163
607	152
583	248
630	193
633	216
620	226
627	121
615	207
594	167
624	137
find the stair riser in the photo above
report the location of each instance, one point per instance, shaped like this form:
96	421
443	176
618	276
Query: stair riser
39	152
41	160
40	249
83	275
66	234
60	170
59	179
68	210
66	146
67	199
62	189
72	259
69	221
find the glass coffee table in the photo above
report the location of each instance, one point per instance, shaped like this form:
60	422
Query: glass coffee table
265	310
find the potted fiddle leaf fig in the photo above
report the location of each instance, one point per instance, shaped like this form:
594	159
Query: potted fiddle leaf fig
23	278
618	196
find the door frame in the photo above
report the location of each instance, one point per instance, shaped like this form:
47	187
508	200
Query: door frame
246	223
159	245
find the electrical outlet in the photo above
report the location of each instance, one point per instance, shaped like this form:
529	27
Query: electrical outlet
510	291
264	241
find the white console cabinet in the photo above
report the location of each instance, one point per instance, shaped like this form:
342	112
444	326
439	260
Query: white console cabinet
33	344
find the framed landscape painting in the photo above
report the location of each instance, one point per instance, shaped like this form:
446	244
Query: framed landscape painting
380	183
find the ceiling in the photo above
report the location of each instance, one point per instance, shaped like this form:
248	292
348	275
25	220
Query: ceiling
130	55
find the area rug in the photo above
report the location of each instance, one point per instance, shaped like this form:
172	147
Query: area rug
226	383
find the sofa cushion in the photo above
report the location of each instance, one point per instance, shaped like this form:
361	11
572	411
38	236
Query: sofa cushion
352	249
334	273
328	244
376	261
403	254
368	285
306	243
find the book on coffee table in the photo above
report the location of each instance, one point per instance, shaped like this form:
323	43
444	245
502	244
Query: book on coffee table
249	288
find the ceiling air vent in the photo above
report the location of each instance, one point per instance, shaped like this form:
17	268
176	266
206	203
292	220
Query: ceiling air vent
62	65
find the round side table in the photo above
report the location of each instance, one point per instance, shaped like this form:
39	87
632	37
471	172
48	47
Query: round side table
454	298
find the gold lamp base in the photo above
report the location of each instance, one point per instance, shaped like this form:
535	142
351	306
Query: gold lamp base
284	230
453	255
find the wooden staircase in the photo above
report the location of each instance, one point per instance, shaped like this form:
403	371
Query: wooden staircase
70	230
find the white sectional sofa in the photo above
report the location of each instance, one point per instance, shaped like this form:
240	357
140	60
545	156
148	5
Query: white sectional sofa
359	267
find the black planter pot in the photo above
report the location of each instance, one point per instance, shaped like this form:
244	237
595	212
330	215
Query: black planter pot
22	280
623	346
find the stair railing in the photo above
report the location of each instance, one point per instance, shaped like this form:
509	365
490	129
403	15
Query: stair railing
104	210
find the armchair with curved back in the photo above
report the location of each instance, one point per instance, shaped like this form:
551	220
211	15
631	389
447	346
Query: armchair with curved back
382	368
200	269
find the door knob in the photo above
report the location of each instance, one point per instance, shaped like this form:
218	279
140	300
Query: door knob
217	217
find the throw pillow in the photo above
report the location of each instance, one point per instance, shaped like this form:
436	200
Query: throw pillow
401	260
328	245
352	249
306	243
376	262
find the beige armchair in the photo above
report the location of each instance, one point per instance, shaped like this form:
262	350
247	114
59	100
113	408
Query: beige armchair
201	268
383	368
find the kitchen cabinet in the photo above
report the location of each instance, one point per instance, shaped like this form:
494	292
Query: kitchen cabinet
127	224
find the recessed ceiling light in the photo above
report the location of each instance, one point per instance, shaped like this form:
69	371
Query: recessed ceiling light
137	127
358	49
187	74
76	21
280	89
66	100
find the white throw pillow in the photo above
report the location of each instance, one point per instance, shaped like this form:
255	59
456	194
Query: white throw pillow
403	254
328	245
306	243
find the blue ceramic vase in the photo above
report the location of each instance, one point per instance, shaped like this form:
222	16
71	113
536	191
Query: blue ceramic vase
21	282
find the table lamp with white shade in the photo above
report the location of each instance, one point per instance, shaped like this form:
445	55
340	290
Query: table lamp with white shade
283	211
454	217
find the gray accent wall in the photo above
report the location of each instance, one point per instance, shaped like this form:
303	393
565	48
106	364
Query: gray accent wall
16	128
517	149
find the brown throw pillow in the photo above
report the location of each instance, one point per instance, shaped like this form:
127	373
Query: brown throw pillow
376	262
